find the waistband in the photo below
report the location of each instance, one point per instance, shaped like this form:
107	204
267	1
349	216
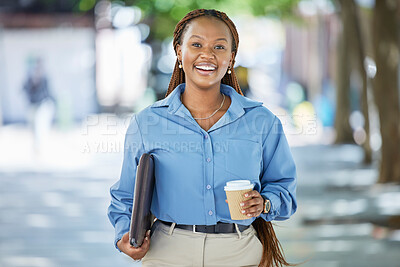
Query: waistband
219	228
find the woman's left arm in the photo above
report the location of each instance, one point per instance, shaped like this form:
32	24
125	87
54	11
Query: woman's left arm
278	174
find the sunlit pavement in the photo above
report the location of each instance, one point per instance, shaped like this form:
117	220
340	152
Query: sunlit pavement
53	205
337	203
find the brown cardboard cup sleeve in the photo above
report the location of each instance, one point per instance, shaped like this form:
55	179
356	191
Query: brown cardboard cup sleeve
235	191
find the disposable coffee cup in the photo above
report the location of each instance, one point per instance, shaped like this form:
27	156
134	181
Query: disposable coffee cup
235	191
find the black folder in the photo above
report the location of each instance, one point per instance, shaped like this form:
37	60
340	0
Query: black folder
142	219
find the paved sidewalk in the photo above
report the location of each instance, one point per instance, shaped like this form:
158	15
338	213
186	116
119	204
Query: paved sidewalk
338	201
57	216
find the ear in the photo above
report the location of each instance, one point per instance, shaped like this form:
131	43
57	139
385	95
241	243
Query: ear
179	52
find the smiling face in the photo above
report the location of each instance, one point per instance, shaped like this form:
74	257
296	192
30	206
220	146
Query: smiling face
205	52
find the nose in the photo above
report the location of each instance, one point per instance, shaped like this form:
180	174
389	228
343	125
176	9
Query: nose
207	53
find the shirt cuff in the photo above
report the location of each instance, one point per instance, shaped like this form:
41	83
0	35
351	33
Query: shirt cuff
121	228
115	243
275	204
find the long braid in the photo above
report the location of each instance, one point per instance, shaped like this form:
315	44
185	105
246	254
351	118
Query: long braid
178	76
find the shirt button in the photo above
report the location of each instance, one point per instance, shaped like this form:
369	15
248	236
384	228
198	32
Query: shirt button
208	159
210	212
206	136
208	187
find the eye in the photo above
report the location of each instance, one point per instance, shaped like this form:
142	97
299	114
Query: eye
196	45
219	47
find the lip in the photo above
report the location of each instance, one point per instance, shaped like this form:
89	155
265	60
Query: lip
205	68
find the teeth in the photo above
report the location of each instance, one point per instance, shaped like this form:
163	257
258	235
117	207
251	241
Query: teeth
205	67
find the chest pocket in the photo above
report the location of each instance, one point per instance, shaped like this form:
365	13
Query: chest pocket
243	159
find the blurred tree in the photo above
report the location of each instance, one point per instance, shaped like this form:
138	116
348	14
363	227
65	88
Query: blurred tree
351	58
352	53
344	133
360	56
163	15
386	87
160	15
163	11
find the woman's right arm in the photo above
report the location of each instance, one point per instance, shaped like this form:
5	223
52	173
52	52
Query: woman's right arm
135	253
120	209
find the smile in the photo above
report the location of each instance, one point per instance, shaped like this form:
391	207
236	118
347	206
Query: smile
205	68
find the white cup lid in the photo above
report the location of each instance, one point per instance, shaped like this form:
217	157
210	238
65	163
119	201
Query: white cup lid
238	185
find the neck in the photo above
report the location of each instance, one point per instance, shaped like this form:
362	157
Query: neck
202	101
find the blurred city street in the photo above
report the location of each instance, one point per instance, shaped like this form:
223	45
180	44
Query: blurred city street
56	216
72	73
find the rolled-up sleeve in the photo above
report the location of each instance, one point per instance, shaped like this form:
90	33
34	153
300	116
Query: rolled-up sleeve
120	209
278	174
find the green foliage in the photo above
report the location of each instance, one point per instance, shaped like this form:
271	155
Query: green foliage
162	15
85	5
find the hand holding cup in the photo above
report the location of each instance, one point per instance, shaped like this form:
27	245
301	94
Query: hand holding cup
254	206
243	201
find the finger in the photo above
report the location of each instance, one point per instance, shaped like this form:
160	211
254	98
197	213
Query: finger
252	202
253	214
253	193
142	247
146	244
125	238
146	240
139	252
252	211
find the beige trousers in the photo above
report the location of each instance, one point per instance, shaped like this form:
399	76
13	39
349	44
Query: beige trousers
172	246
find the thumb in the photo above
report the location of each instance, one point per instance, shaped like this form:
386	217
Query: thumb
125	238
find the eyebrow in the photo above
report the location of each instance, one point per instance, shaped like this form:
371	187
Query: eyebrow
219	39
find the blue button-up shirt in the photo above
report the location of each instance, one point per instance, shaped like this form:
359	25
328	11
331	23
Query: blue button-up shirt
192	165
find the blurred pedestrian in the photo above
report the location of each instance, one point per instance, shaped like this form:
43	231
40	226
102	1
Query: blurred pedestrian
202	135
41	111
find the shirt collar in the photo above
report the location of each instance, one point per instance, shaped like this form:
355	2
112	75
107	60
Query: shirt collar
238	104
175	107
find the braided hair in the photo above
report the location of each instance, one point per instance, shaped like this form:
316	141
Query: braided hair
178	76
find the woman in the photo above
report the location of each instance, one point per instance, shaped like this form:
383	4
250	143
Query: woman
203	134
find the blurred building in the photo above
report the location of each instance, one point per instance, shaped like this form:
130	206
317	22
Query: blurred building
93	61
65	44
